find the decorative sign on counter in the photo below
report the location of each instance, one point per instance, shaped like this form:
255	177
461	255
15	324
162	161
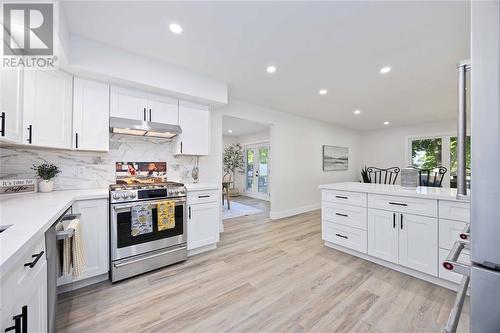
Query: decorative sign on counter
10	186
409	178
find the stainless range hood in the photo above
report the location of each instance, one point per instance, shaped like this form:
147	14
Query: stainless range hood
143	128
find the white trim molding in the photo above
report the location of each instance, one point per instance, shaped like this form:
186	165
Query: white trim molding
295	211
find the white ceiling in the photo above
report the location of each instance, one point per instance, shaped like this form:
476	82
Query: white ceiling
240	127
340	46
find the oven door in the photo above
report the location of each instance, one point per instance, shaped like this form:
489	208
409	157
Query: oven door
124	245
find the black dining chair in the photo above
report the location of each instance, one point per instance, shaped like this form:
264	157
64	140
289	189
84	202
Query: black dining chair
431	177
383	176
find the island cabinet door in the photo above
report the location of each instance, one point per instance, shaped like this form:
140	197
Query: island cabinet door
418	243
383	235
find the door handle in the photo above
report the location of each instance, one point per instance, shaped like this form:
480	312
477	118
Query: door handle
76	139
398	203
144	114
33	263
189	212
341	236
340	197
401	219
394	220
3	124
340	214
20	322
30	134
150	115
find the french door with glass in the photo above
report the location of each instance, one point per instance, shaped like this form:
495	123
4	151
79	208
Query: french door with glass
257	171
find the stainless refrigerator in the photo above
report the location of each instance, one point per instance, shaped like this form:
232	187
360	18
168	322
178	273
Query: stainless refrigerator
485	182
482	236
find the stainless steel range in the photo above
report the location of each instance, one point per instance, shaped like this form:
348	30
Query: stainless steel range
134	252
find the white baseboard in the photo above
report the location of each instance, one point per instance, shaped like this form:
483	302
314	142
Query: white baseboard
82	283
426	277
295	211
202	249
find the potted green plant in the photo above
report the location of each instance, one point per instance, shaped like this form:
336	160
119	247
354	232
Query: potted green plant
232	161
46	172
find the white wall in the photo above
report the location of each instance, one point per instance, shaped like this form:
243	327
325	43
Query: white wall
90	58
253	138
388	147
296	163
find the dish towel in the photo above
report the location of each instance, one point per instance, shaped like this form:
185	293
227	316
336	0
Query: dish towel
77	249
73	253
142	220
166	215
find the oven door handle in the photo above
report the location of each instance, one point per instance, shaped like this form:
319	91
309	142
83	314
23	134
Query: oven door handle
148	256
129	206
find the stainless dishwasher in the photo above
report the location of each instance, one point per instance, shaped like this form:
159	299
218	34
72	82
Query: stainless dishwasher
52	236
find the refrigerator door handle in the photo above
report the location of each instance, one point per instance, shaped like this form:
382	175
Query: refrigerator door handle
451	263
463	67
451	326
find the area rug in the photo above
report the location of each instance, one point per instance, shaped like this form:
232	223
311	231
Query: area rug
238	210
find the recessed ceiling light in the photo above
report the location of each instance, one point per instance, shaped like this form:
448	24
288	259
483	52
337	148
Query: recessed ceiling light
386	123
175	28
271	69
323	92
385	70
230	131
357	111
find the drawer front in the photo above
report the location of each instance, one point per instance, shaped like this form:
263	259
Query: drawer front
343	197
22	273
449	232
198	197
446	274
345	236
351	216
454	210
425	207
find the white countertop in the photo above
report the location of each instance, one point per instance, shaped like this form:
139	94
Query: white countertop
202	186
440	193
31	215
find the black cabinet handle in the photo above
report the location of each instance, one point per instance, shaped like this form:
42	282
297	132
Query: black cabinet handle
204	196
340	197
33	263
401	221
20	322
394	220
76	139
3	123
181	147
397	203
150	115
341	236
30	134
340	214
189	209
144	114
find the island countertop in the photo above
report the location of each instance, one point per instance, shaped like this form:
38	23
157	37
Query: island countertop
438	193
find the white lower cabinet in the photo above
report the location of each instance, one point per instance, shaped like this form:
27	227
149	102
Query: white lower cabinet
11	116
94	227
24	292
352	238
418	243
383	235
405	239
203	219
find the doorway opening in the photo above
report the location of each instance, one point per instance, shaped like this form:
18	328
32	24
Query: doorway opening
246	187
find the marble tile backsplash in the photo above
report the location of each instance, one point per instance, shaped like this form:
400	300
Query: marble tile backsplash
84	170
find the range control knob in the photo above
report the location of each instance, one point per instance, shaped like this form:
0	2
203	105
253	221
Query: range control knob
116	196
132	195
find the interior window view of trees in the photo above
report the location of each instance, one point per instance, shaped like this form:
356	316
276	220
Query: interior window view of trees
430	153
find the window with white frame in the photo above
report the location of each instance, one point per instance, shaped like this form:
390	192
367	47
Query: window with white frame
430	152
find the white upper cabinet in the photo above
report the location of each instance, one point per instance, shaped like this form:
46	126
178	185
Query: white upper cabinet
194	120
128	103
10	104
47	108
138	105
163	109
90	115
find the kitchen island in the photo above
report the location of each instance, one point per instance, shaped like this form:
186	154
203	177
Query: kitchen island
408	230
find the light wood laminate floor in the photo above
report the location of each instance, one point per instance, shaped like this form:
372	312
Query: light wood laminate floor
269	276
